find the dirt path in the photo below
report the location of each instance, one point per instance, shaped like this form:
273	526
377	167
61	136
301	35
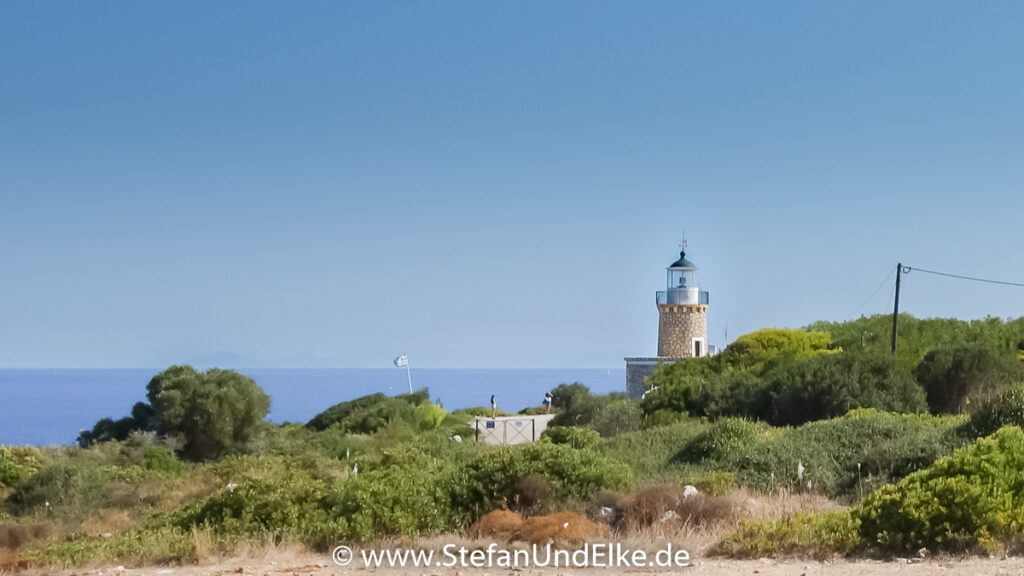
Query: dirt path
304	564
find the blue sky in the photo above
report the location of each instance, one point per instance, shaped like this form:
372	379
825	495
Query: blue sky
492	184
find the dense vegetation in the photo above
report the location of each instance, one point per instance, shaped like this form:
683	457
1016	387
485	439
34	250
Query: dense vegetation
925	449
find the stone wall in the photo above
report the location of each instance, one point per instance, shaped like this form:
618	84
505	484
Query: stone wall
678	325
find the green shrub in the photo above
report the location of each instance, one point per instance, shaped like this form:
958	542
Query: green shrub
969	501
408	500
368	414
714	482
1005	410
617	416
430	416
18	463
340	412
216	412
143	546
957	379
609	414
828	386
651	454
660	417
278	509
820	536
161	459
765	349
886	446
573	436
60	486
722	439
484	482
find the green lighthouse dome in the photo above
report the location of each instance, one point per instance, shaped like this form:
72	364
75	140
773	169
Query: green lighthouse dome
682	263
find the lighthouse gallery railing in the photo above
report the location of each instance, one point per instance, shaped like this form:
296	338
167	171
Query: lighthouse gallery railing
690	296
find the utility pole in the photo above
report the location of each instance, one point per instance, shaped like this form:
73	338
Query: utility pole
896	306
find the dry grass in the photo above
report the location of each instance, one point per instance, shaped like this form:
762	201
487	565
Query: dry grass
108	522
560	528
9	560
14	536
698	522
498	525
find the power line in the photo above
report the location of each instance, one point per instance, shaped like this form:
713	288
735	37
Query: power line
873	294
907	269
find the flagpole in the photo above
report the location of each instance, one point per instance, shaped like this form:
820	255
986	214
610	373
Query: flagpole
409	374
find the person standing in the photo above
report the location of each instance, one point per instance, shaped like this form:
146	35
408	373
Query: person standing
494	406
548	398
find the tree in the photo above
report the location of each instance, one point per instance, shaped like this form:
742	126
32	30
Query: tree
215	412
954	379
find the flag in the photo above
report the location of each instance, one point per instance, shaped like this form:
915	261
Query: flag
402	360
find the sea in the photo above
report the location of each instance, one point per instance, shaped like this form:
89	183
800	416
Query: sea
50	407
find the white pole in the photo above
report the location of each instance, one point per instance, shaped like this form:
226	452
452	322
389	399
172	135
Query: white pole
409	374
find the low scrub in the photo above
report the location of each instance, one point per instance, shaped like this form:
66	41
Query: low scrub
17	464
670	504
144	546
485	482
1005	410
369	414
573	436
820	536
651	454
847	456
970	501
789	390
722	439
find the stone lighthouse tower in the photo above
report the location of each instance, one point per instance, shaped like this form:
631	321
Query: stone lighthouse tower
682	324
683	313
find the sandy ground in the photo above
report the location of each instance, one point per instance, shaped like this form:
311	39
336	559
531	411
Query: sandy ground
293	564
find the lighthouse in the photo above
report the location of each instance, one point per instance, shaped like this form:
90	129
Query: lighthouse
682	323
682	312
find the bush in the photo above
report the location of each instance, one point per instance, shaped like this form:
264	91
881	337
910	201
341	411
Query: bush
430	416
829	386
609	414
796	390
820	536
57	486
724	438
260	508
106	429
1005	410
216	412
617	416
768	348
969	501
161	459
143	546
886	447
666	502
368	414
957	379
572	436
409	500
485	482
18	463
714	482
651	454
343	410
